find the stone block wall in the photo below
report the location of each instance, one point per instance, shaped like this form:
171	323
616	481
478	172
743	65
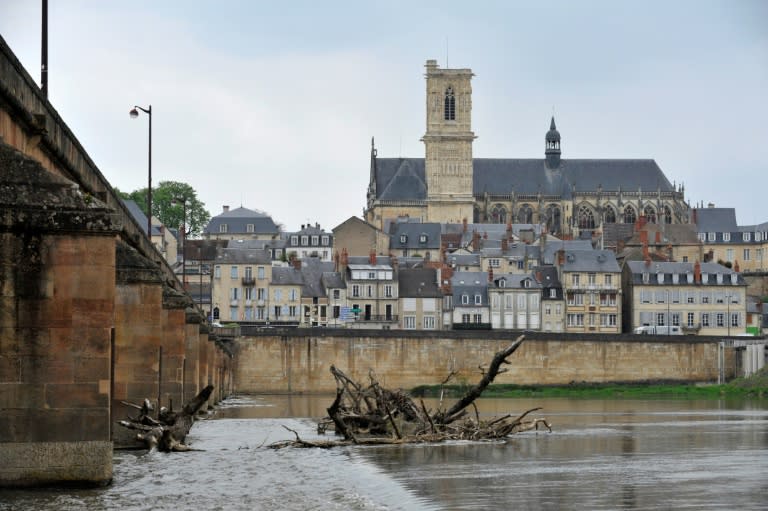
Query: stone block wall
300	363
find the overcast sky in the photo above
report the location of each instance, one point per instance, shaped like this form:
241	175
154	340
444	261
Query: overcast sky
272	105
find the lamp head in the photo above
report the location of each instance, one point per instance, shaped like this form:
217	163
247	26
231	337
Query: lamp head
133	113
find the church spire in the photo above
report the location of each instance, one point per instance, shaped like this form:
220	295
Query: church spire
552	146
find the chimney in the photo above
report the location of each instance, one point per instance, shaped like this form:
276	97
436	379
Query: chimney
490	274
644	241
694	215
392	261
336	258
538	276
226	208
504	244
658	237
475	241
464	225
641	221
736	267
372	257
620	246
344	258
697	272
560	257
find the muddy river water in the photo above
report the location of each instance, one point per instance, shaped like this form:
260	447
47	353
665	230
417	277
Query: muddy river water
602	454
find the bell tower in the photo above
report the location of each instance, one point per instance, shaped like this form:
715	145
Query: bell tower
448	144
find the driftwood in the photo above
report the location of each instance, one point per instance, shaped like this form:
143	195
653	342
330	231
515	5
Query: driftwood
373	415
168	432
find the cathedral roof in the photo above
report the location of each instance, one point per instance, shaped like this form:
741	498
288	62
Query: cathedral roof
404	178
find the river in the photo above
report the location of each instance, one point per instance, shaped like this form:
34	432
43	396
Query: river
602	454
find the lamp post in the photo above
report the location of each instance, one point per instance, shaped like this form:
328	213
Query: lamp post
134	113
183	202
728	319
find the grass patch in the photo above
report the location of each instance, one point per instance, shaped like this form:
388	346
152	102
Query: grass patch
737	388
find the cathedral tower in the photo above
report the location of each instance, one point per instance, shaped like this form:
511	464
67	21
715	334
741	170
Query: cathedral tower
448	144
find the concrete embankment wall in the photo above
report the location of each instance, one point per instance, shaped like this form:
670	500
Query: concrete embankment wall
298	361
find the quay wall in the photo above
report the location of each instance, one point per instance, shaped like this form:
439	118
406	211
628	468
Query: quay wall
299	361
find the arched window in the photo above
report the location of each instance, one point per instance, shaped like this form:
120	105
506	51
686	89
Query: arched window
586	218
610	215
215	313
650	214
630	217
450	105
525	214
553	218
499	214
667	213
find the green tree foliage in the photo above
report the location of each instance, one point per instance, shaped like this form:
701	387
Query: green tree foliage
167	205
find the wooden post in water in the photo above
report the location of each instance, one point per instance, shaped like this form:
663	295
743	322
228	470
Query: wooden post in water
159	378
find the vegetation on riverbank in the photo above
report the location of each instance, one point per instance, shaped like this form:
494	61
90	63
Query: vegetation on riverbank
755	386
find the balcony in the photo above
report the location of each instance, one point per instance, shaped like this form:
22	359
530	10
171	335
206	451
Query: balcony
233	303
249	281
392	318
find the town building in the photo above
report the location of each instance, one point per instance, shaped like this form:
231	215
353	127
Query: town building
724	241
470	300
421	300
700	298
241	223
568	196
358	238
552	299
591	281
515	301
372	291
240	289
309	241
408	239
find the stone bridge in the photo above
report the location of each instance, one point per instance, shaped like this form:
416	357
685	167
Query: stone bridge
90	312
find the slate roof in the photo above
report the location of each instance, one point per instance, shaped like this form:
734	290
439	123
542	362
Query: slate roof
413	232
603	261
418	283
237	221
715	219
551	248
333	280
256	244
515	281
286	276
463	259
637	268
313	270
470	283
404	178
239	256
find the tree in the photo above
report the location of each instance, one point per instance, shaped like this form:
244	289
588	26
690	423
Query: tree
167	205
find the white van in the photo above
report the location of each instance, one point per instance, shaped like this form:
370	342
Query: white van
659	330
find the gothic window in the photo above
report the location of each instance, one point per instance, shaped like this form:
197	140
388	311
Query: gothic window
499	214
650	214
629	215
525	214
610	215
667	214
553	219
450	105
586	218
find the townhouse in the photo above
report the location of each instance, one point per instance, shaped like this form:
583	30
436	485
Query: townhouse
700	298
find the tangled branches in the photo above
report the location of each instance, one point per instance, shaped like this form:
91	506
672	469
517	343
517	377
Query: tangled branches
374	415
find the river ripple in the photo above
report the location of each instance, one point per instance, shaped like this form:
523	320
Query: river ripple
603	454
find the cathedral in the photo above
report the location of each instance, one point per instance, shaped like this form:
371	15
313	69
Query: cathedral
568	196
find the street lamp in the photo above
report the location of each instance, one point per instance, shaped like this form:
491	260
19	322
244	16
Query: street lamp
183	202
134	113
728	319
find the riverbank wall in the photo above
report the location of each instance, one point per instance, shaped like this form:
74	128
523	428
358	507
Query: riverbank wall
299	361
